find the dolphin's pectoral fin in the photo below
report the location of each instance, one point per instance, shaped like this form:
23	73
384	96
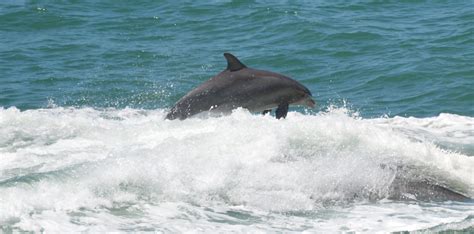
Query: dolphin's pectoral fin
233	64
282	110
266	112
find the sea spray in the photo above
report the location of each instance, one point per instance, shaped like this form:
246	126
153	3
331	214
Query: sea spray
79	166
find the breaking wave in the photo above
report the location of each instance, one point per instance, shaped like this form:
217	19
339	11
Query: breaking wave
129	169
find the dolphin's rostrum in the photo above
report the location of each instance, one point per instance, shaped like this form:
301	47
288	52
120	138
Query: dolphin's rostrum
240	86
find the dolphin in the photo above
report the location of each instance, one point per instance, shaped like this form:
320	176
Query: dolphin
411	185
241	86
424	190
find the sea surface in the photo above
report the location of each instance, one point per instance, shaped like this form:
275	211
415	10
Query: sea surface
85	86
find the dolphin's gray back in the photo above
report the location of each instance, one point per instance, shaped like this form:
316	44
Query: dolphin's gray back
253	89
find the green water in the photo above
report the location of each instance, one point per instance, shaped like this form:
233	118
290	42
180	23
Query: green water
396	58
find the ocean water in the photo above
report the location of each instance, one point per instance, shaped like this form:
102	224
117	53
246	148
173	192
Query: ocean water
85	86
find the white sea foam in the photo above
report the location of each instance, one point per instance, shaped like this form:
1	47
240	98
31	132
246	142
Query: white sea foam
99	170
452	131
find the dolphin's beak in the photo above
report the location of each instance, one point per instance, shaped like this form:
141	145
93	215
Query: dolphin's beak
310	103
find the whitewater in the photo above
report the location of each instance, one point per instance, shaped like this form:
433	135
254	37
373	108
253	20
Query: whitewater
85	169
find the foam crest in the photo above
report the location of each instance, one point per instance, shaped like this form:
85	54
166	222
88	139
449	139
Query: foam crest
450	131
91	165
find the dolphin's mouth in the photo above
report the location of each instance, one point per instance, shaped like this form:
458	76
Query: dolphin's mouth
306	101
310	102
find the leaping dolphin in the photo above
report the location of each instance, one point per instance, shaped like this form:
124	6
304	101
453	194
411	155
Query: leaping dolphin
240	86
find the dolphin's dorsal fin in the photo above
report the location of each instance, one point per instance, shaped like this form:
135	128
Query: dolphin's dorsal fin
233	64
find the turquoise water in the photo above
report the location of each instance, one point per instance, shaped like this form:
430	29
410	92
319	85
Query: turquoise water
408	59
84	88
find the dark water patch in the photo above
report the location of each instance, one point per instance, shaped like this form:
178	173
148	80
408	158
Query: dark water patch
359	35
15	54
398	79
54	80
461	38
38	18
